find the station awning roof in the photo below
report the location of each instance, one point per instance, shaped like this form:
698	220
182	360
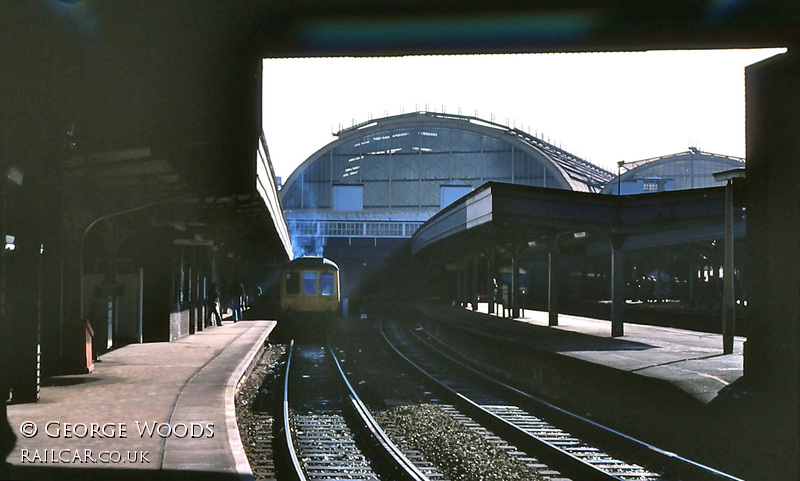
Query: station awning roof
498	214
155	193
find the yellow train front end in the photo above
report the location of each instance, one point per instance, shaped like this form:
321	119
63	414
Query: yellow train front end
310	294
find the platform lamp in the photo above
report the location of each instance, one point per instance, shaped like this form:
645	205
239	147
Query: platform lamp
728	293
619	176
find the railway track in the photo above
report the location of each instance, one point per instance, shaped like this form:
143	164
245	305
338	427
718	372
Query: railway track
510	413
332	398
398	396
329	433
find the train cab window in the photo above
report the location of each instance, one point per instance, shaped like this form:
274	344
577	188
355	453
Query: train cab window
326	284
292	283
309	283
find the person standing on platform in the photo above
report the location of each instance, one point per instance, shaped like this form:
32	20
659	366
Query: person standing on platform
235	299
213	306
243	294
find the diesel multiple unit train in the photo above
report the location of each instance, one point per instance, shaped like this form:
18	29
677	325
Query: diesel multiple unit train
310	292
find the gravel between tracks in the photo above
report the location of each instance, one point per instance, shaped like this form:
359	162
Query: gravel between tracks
458	452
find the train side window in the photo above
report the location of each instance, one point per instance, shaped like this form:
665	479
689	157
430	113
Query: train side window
293	283
309	283
326	283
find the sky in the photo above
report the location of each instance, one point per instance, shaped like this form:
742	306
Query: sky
603	107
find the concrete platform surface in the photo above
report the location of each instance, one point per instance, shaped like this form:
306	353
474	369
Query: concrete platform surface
166	406
692	361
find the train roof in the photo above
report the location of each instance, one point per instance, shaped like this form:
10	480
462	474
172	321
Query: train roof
313	262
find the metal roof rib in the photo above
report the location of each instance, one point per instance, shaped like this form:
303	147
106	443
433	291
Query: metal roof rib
580	169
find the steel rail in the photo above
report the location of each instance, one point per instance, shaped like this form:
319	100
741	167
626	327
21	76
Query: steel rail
408	469
679	462
577	467
287	429
391	456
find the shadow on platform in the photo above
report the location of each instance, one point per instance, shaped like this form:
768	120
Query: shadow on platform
575	341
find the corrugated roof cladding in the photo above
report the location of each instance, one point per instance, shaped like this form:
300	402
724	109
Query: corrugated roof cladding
403	161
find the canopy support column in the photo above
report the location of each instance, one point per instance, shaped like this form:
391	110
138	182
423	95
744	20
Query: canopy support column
617	285
552	285
474	284
491	284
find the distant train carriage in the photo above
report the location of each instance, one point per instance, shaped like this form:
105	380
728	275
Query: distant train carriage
310	291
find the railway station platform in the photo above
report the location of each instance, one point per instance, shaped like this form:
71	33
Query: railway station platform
673	388
162	410
691	361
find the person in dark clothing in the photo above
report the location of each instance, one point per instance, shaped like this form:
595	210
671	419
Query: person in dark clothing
213	306
235	299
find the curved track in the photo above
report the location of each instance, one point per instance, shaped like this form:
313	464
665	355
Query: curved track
511	412
329	433
332	433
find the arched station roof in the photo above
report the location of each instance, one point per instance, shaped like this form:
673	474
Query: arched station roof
692	169
401	162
